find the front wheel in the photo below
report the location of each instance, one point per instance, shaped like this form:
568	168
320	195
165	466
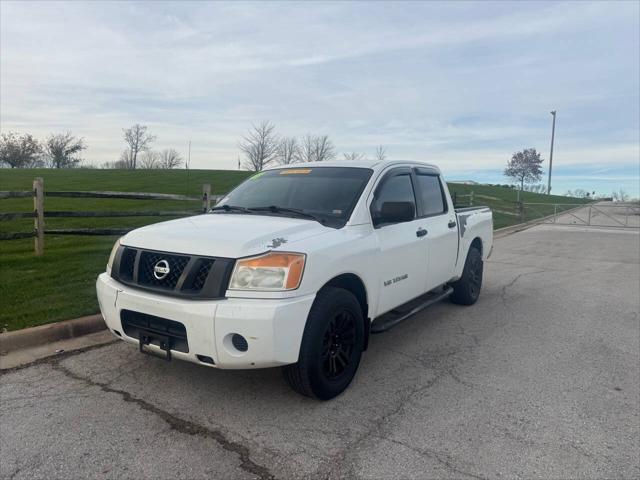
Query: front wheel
467	290
331	346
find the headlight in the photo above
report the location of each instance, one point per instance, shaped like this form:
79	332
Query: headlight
112	256
273	271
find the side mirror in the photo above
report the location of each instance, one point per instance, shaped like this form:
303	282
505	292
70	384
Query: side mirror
395	212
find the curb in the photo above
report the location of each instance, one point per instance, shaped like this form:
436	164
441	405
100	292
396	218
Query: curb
53	332
504	231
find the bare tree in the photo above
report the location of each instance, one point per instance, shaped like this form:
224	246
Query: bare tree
22	151
524	166
125	160
149	160
112	165
260	146
381	153
580	193
138	141
354	156
288	150
307	151
62	150
324	149
620	195
316	148
170	158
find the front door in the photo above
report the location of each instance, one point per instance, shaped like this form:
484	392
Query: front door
402	258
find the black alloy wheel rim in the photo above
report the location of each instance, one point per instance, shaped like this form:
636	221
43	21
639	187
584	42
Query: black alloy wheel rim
338	345
475	276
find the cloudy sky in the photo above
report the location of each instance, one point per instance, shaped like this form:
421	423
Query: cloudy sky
460	84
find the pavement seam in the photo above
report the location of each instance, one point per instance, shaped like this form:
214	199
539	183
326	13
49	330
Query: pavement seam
178	424
55	357
446	462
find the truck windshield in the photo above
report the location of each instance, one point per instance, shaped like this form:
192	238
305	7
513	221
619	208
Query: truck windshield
326	194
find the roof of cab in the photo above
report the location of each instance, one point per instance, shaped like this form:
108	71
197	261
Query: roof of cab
364	163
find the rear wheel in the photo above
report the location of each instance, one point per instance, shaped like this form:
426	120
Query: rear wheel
467	290
331	346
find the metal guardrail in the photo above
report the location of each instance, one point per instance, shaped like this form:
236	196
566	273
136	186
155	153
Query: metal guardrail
609	214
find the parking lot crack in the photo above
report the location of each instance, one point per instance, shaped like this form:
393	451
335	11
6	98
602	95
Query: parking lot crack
473	337
13	474
338	461
58	357
503	294
441	458
178	424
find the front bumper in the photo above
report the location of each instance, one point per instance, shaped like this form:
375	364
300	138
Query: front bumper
273	328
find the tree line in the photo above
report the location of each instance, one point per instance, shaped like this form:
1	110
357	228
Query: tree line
262	146
139	155
64	150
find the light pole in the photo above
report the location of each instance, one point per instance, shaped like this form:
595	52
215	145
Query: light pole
553	133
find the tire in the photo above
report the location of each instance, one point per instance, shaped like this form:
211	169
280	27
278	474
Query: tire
331	346
467	290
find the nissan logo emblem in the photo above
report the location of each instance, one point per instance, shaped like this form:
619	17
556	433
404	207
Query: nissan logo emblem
161	269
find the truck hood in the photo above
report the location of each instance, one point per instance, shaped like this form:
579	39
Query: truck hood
225	235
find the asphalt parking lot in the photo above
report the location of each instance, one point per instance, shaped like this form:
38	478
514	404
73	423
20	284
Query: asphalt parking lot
539	379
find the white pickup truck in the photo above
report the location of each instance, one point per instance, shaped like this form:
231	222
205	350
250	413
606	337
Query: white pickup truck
295	268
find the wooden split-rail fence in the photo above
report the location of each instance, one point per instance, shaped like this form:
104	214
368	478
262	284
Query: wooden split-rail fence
38	214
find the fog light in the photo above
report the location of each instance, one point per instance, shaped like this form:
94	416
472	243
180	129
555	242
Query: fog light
239	342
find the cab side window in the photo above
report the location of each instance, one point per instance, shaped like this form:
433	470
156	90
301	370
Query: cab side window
431	194
394	200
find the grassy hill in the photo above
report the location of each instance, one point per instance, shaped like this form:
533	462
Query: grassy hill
502	201
60	284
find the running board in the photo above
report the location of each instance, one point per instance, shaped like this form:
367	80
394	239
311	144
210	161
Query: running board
401	313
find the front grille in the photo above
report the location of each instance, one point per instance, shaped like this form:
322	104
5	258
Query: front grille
127	263
202	273
173	274
148	261
135	322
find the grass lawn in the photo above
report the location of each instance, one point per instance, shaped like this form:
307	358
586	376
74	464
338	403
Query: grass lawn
61	284
57	286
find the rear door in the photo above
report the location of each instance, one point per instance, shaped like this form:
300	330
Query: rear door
439	220
402	260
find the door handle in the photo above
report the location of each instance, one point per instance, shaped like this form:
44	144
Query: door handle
421	232
452	224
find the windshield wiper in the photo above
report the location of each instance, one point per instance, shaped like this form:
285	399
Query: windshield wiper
230	208
295	211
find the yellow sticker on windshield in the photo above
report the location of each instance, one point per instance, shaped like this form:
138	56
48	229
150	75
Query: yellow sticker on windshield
296	171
